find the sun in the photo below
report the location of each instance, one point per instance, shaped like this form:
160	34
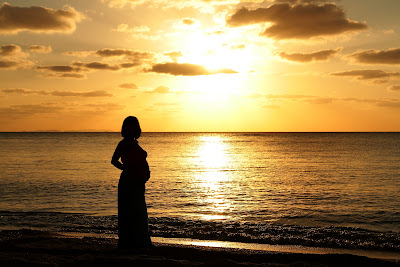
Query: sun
215	53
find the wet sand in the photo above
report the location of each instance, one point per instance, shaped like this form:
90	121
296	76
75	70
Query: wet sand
37	248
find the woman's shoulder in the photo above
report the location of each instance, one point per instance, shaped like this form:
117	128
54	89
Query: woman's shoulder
123	143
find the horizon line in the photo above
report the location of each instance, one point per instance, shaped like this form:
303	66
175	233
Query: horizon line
93	131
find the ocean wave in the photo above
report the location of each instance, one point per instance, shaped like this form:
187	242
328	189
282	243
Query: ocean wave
246	232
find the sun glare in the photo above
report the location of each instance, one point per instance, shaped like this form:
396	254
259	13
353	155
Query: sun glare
216	52
213	158
212	153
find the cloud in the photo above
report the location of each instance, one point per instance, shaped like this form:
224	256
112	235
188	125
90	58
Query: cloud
395	103
185	69
129	65
68	110
174	55
390	56
138	55
77	69
22	91
38	19
122	28
138	32
160	90
128	86
28	110
65	75
391	31
315	56
395	88
321	100
302	1
137	29
40	49
81	94
215	32
15	64
60	68
96	66
188	21
380	81
11	50
62	71
297	21
122	3
310	99
203	5
109	106
271	96
238	46
165	90
132	55
78	53
367	74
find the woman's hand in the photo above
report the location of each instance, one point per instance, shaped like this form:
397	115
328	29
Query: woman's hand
117	164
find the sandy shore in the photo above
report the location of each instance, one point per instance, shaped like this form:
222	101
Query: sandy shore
27	247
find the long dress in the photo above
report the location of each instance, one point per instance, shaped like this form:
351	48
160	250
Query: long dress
133	229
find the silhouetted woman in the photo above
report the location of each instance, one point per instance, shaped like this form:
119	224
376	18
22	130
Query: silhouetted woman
133	229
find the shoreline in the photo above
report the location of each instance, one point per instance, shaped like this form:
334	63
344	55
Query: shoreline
374	254
32	247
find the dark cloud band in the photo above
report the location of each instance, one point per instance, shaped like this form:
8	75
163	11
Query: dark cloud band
315	56
23	91
40	49
390	56
185	69
14	19
10	50
78	69
368	74
297	21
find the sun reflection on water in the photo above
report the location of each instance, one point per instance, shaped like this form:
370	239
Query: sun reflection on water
213	159
212	152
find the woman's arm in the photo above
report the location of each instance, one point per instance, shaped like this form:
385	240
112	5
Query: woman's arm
116	156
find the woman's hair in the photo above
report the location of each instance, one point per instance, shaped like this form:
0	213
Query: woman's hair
131	127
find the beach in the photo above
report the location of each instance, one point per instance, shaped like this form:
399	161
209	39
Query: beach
41	248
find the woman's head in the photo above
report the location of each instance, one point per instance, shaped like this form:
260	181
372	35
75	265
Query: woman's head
131	128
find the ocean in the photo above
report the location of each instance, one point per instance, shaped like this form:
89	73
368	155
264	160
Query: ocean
336	190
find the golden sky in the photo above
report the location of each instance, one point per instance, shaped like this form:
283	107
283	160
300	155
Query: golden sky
200	65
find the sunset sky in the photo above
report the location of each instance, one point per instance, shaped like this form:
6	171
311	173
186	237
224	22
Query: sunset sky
200	65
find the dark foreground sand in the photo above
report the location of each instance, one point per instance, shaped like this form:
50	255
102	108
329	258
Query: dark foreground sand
36	248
